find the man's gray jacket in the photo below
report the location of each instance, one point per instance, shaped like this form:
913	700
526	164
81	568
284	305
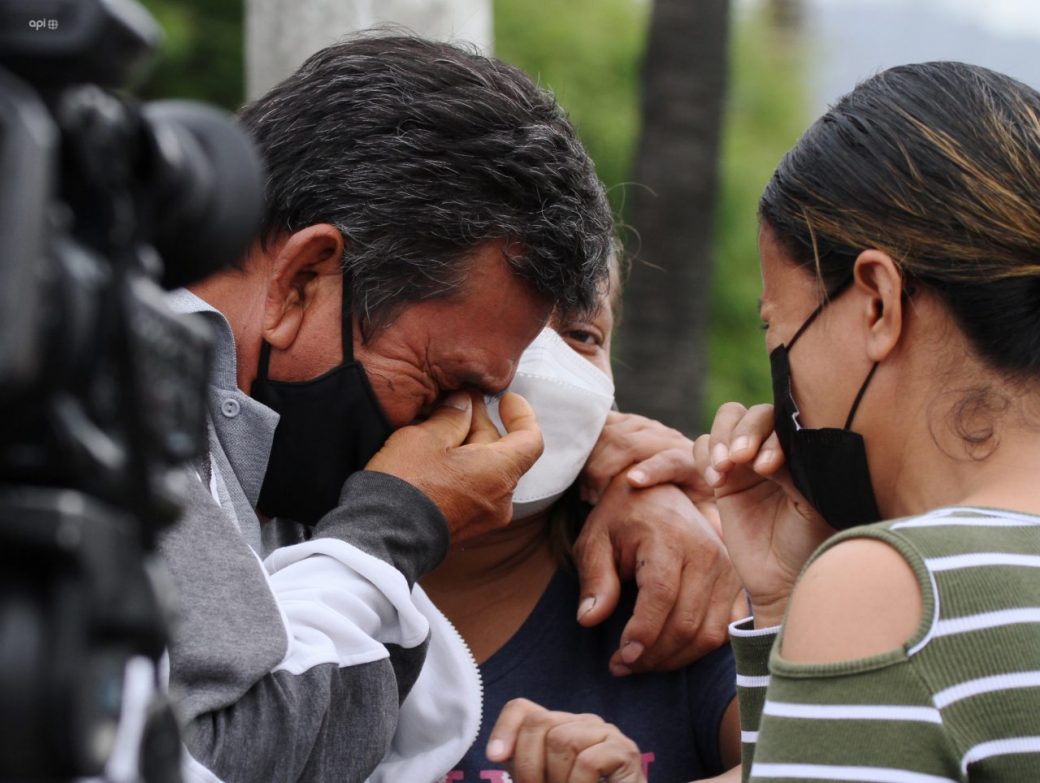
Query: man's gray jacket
296	666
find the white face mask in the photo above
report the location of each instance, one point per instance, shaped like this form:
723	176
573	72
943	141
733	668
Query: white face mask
571	399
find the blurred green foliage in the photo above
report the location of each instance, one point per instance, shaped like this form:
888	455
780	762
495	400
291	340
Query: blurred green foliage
765	115
202	54
589	53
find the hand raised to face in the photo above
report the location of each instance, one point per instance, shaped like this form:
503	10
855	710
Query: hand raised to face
459	460
769	528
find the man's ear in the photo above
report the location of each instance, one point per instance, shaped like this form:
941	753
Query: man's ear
303	267
878	276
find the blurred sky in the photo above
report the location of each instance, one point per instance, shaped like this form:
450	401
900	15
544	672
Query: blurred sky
849	40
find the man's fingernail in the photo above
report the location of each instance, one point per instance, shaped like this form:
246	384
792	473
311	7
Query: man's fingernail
619	670
719	453
637	476
458	400
712	476
586	606
741	443
630	651
496	749
593	498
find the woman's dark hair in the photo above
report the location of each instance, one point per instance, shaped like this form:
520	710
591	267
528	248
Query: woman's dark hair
420	151
938	165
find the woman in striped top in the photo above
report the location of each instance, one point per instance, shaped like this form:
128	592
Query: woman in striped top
900	254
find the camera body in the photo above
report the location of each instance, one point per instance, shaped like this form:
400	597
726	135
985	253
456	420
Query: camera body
104	203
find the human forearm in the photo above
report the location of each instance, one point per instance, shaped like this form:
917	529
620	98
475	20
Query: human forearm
391	520
301	727
325	639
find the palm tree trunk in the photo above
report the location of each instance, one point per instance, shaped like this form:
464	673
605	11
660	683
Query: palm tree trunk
662	344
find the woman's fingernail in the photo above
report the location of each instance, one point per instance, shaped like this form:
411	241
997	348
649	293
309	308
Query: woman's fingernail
630	651
764	458
719	454
712	476
586	606
496	750
637	476
741	443
619	670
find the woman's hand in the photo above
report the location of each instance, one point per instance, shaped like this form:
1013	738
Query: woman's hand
627	440
541	746
769	528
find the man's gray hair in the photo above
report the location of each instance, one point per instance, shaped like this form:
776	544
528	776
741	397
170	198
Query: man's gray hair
421	151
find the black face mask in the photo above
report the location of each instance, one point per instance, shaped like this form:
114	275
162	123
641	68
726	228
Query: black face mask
330	427
828	466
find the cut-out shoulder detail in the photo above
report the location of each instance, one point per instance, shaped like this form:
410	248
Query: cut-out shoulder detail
858	599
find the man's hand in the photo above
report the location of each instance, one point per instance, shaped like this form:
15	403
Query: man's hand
558	747
687	585
459	460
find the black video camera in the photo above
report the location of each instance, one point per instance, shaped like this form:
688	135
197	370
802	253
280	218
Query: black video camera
104	202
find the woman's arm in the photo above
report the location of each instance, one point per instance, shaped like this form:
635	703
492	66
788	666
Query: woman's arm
859	598
843	693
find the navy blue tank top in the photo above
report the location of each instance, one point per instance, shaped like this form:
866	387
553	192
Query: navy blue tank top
673	717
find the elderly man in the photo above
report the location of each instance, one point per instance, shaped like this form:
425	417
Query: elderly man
427	210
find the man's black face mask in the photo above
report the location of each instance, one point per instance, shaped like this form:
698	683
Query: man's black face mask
828	466
330	427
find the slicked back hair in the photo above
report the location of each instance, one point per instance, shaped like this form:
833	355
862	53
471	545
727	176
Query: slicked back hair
419	152
938	165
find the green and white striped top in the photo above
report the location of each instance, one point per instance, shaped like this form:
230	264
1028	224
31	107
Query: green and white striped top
961	700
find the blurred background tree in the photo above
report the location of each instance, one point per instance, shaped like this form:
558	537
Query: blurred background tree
671	218
202	54
589	52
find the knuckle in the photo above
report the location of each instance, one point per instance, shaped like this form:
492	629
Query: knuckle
677	456
542	719
687	625
519	704
670	527
709	554
560	738
596	473
624	443
731	409
637	421
712	637
671	432
659	590
584	545
586	767
624	742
